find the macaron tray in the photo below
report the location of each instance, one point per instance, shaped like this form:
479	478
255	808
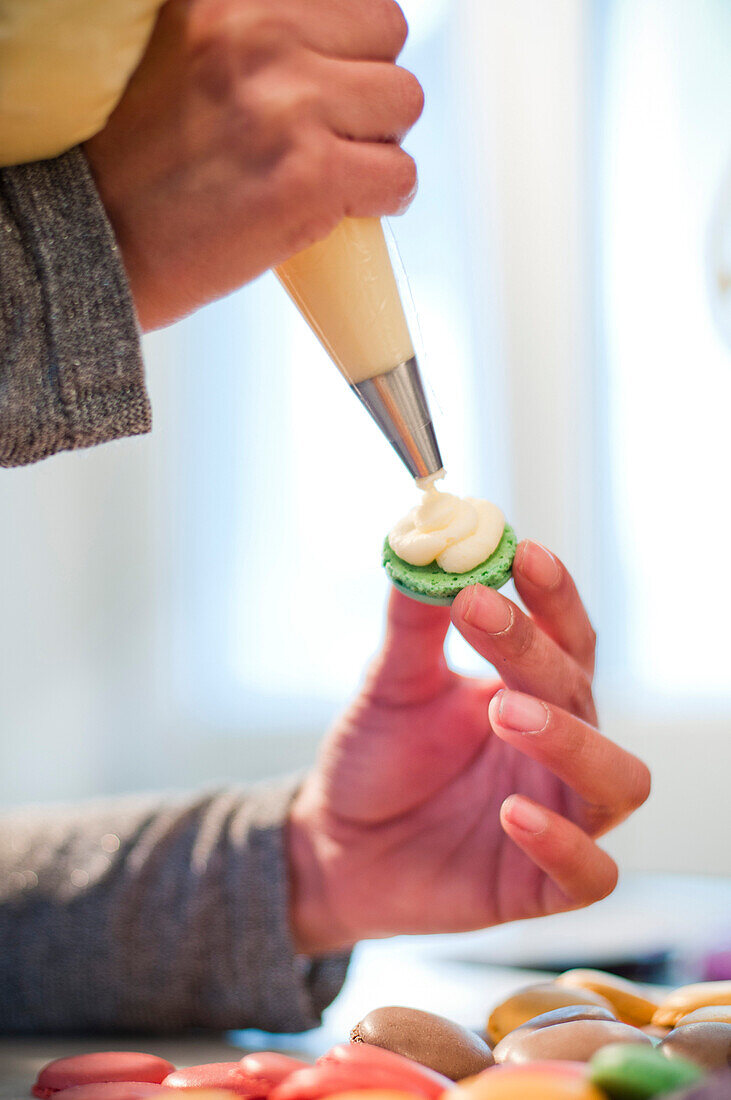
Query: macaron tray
586	1035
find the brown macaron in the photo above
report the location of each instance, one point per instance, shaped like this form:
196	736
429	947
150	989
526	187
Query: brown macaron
707	1044
434	1041
534	1000
567	1015
576	1041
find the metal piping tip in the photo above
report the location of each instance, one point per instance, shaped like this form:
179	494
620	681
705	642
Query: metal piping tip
397	402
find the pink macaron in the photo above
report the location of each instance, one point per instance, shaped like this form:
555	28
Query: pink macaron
102	1066
214	1075
267	1069
348	1066
112	1090
254	1076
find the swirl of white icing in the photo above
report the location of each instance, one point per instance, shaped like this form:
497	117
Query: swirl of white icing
457	534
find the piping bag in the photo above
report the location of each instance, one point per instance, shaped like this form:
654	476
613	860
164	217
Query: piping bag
345	288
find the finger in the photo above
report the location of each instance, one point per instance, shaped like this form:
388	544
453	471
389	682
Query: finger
610	780
578	871
412	662
376	179
369	101
548	591
526	658
373	30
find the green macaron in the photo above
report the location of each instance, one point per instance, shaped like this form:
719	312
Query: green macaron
430	584
628	1072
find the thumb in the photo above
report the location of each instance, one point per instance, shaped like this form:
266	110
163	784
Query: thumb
411	665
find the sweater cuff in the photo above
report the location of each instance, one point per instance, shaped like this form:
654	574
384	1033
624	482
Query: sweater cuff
85	383
287	992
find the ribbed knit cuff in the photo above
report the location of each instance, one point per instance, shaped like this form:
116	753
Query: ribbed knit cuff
72	373
286	992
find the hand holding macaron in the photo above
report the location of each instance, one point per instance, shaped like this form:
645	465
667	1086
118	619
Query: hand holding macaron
444	803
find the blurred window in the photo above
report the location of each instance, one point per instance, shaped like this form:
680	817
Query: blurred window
664	188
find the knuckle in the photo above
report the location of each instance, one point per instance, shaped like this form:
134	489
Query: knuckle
608	882
406	177
308	171
310	227
575	740
592	639
520	635
642	785
256	130
411	95
226	44
397	181
598	881
394	27
277	107
581	698
307	197
587	650
214	65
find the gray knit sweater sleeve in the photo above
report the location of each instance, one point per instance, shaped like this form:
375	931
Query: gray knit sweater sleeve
70	366
154	914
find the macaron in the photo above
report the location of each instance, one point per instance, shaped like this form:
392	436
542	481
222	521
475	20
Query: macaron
371	1094
360	1066
705	1043
565	1015
539	1081
710	1014
430	584
688	998
629	1001
627	1072
214	1075
99	1067
534	1000
198	1094
576	1041
266	1069
433	1041
113	1090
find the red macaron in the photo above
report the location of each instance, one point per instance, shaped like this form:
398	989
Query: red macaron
267	1069
347	1067
100	1067
112	1090
253	1077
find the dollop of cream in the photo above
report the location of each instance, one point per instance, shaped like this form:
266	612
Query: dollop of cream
457	533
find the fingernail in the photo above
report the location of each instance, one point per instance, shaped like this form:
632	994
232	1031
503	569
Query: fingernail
524	815
522	712
540	566
487	610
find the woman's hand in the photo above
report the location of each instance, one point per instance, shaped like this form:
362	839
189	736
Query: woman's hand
442	803
248	131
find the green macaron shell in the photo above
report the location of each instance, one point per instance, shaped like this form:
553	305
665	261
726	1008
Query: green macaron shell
430	584
625	1071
